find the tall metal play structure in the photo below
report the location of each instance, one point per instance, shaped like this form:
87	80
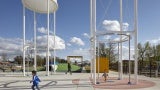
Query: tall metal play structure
43	7
94	34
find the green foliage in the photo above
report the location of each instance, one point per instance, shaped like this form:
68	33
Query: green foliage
41	68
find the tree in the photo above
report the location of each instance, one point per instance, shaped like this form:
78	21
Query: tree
141	55
102	52
158	52
18	59
148	49
150	54
110	53
143	51
107	52
40	61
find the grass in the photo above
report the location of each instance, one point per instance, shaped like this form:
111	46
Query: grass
63	67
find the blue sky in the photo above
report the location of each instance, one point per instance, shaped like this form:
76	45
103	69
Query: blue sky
72	23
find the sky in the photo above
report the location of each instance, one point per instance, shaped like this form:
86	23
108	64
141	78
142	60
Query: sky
73	25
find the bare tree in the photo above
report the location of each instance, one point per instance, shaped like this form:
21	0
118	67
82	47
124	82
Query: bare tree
143	52
107	52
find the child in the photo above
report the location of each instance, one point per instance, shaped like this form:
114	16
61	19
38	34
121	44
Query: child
105	75
35	80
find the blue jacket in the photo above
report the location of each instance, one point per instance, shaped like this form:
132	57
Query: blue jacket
36	80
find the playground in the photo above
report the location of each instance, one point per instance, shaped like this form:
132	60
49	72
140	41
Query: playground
84	76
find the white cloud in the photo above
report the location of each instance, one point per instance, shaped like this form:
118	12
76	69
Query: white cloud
155	41
117	39
106	37
44	54
44	30
125	52
82	52
86	35
10	46
77	41
42	42
13	47
68	44
111	25
125	26
114	25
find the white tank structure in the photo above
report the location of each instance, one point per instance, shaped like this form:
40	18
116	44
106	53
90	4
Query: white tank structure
42	7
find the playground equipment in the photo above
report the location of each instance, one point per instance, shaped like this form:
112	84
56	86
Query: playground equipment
126	37
44	7
94	34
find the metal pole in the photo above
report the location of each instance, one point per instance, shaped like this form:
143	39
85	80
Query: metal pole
48	38
28	61
98	63
118	64
35	48
54	41
24	29
94	39
129	61
121	21
136	39
91	41
46	62
31	54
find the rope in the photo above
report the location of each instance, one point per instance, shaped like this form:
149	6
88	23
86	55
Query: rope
106	10
127	12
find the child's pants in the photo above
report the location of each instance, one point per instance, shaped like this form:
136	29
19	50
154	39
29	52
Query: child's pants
36	87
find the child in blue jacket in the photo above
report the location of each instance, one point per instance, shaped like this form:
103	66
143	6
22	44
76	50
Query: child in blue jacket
35	80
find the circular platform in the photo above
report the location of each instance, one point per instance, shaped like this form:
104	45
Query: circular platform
114	83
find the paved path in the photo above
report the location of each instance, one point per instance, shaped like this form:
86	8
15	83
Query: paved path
58	81
76	81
